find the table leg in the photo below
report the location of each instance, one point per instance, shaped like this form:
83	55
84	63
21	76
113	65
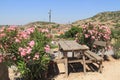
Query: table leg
72	53
66	64
84	64
66	67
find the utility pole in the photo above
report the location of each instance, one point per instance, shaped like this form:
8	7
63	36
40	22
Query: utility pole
50	21
49	16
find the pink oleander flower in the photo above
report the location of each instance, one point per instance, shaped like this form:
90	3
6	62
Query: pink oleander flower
28	50
11	28
2	29
90	32
93	37
30	30
84	26
86	35
36	56
22	51
2	35
23	35
17	40
31	43
47	48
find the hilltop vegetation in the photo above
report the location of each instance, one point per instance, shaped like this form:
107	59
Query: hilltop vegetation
111	19
41	24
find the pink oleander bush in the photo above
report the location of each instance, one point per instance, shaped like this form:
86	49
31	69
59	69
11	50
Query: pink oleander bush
92	32
27	49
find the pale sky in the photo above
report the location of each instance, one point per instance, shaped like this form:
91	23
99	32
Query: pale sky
63	11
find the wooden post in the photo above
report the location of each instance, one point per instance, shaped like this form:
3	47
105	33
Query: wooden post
72	53
84	64
100	67
59	53
66	64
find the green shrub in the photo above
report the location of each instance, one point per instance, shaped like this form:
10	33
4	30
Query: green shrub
117	49
72	32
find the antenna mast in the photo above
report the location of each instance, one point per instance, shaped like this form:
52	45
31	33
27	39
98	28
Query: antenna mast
49	16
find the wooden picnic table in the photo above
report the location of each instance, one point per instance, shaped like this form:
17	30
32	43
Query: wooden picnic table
72	46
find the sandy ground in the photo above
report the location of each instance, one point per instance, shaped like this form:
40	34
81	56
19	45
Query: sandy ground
111	71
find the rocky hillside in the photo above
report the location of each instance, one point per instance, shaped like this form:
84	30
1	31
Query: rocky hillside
109	18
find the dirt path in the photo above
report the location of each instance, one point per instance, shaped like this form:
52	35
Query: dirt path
111	71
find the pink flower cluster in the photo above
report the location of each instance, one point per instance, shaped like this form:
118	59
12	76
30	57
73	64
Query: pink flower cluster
31	43
47	48
27	50
11	28
25	34
24	40
45	30
2	34
36	56
2	29
98	32
30	30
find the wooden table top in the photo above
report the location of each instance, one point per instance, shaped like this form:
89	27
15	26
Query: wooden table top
71	46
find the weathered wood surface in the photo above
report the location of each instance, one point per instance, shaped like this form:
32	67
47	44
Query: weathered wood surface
71	46
93	56
100	43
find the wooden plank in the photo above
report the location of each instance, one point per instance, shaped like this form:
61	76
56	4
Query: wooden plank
71	46
59	60
90	57
74	61
100	43
61	67
94	55
81	61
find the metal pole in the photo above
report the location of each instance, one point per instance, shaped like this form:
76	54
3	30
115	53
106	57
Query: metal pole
50	21
49	16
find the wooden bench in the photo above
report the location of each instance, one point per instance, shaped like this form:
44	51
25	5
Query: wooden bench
92	57
102	45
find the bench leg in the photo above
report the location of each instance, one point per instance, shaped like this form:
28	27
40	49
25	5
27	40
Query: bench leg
100	67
